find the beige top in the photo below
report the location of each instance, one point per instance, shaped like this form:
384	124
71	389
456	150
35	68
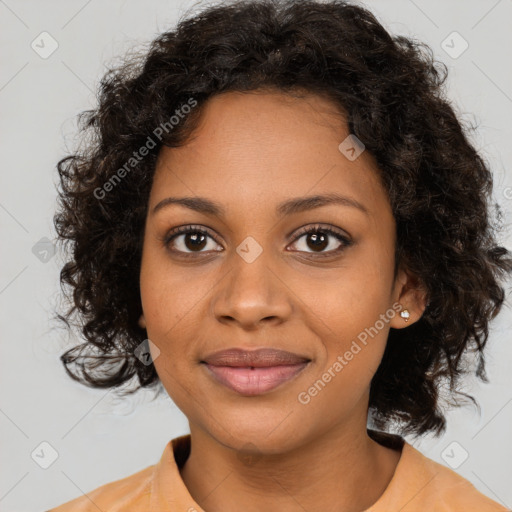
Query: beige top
419	484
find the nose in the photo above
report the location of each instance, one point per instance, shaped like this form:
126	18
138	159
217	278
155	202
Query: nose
252	293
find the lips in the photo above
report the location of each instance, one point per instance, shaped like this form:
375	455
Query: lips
254	372
260	358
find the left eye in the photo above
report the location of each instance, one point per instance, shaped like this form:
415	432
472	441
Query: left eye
317	238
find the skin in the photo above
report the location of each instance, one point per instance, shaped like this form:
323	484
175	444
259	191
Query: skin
271	452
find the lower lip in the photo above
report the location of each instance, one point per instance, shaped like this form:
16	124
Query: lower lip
254	381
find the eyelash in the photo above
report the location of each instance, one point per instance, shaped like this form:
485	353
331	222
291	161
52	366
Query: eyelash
169	237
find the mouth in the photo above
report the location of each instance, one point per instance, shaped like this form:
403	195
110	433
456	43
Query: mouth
254	372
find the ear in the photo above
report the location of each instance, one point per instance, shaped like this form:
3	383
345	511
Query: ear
410	293
142	321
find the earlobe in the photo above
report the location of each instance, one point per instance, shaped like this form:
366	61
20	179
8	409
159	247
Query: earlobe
405	314
142	321
412	303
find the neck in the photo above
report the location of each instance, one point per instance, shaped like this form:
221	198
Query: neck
344	469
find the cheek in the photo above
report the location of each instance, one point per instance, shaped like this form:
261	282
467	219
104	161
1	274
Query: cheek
351	355
167	295
349	316
162	313
350	301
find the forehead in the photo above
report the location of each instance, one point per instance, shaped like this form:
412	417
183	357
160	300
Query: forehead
259	148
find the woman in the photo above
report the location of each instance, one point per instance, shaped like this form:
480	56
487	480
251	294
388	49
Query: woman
281	220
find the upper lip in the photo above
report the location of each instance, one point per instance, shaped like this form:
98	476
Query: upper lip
263	357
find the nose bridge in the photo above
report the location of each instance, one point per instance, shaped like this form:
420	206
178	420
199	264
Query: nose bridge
252	290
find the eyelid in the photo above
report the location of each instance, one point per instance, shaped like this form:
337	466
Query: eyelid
326	228
184	229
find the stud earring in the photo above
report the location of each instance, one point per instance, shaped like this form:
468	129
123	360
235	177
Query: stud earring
405	314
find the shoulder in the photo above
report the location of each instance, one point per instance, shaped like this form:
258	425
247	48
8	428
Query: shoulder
126	494
430	482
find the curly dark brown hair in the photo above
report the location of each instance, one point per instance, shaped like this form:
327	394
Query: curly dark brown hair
392	90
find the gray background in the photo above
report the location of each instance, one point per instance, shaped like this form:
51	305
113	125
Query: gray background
99	438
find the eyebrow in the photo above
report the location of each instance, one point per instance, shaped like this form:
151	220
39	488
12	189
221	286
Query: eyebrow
288	207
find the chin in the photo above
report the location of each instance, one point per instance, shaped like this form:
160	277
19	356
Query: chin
252	434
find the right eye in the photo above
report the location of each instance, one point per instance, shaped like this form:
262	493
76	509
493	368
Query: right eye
188	240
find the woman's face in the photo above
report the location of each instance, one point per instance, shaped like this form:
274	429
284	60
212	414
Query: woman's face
256	280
